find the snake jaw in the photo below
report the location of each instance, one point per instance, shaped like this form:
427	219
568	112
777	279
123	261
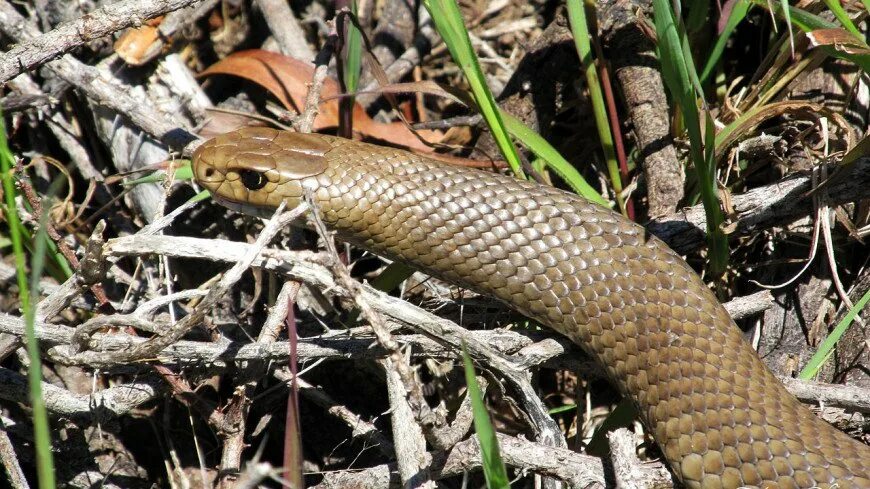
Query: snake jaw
264	212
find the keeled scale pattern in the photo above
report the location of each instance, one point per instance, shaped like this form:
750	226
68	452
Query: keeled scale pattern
720	416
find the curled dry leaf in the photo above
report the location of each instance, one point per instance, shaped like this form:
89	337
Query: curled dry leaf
140	45
288	79
840	39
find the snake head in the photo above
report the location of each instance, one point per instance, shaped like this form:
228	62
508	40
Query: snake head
253	170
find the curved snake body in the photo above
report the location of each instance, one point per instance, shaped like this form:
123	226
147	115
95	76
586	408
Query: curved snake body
720	416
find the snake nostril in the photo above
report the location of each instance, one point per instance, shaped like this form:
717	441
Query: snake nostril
209	172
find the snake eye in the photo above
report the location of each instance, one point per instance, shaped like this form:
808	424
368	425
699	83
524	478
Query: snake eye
252	180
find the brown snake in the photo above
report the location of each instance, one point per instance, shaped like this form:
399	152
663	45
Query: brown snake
719	415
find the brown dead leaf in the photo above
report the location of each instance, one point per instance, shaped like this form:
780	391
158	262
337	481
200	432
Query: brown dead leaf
140	45
288	78
426	87
838	38
219	122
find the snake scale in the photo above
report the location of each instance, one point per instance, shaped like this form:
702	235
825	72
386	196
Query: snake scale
720	416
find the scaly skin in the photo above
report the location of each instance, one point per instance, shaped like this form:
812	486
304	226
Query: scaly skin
720	416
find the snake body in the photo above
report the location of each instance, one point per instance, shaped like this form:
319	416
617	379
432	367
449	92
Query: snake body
720	416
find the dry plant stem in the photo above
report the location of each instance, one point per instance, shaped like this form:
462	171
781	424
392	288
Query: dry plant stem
82	336
99	86
396	28
629	471
612	116
446	438
411	455
152	347
173	22
36	204
97	407
526	350
552	352
72	288
820	201
32	53
158	225
359	427
309	266
632	56
64	295
423	42
173	73
407	403
232	435
234	441
382	332
851	398
71	258
183	393
14	474
762	208
62	129
444	124
286	29
254	475
749	305
579	471
305	122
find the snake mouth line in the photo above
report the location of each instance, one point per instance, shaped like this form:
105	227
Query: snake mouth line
264	212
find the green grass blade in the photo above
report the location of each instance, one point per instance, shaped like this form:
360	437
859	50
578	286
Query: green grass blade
493	465
42	438
787	18
804	20
826	349
562	409
717	240
558	164
58	268
59	261
394	274
183	172
202	195
840	13
353	58
349	65
738	13
622	416
684	85
697	16
448	21
580	31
